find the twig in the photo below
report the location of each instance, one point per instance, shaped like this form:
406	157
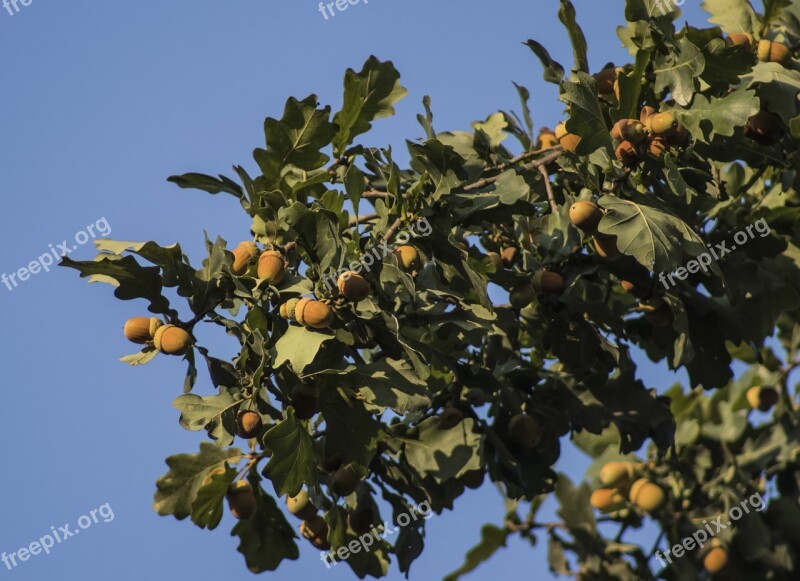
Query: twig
355	220
528	166
376	194
549	187
392	229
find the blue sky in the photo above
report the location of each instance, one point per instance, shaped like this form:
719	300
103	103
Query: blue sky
100	103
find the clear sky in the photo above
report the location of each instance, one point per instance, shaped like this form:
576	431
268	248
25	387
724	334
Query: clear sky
101	101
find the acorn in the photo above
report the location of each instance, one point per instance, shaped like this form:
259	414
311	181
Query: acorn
521	296
616	474
305	405
606	246
313	313
345	481
508	254
605	81
301	506
288	308
660	316
271	267
569	141
645	114
172	340
248	424
495	260
243	255
741	38
408	257
585	215
762	398
715	560
647	495
764	127
546	140
773	52
657	147
524	431
140	330
241	500
661	124
678	137
450	418
626	153
629	130
473	479
607	500
316	530
353	286
549	283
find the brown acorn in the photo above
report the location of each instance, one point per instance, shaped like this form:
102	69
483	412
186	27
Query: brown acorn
605	81
362	521
495	260
450	418
626	153
568	141
140	330
715	560
647	495
762	398
271	267
521	296
764	128
172	340
524	431
242	500
629	130
645	114
345	481
353	286
657	147
313	313
616	474
549	283
248	424
316	530
243	254
741	38
606	246
678	137
607	500
662	124
546	140
408	257
301	506
773	52
508	254
585	215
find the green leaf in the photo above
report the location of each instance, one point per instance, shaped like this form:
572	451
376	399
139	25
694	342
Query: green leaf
444	454
215	413
719	116
553	71
292	463
630	88
732	15
575	508
777	86
211	185
566	14
677	70
133	281
644	9
368	95
441	162
175	271
177	489
586	118
266	538
299	347
208	292
143	357
296	139
351	431
207	507
656	238
492	539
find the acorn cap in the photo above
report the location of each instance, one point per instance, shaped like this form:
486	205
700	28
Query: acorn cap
155	324
288	308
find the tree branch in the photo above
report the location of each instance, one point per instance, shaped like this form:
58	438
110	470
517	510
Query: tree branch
549	187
